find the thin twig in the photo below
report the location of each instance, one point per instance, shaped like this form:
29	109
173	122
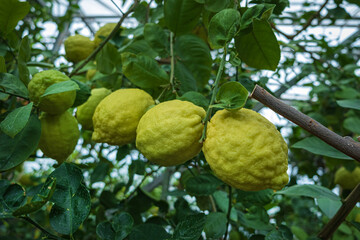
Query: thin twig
349	147
107	39
48	234
142	181
213	205
172	67
341	214
117	7
228	213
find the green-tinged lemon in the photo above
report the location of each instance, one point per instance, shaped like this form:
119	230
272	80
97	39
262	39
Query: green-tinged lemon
78	48
103	32
346	179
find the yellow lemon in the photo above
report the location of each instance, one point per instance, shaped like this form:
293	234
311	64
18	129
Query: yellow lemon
59	135
246	151
346	179
55	103
86	111
78	48
104	31
169	133
117	116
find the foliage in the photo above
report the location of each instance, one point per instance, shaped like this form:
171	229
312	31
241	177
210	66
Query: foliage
208	52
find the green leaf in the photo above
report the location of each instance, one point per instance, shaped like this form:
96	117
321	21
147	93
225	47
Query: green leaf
313	191
352	124
140	47
100	172
82	94
215	225
12	84
231	95
222	201
194	53
258	47
143	71
16	120
256	11
190	227
104	231
281	233
329	207
216	5
148	231
2	65
223	27
108	59
196	98
202	185
185	77
24	57
71	199
317	146
12	196
181	16
156	38
12	11
259	197
255	217
39	200
349	103
60	87
122	224
14	151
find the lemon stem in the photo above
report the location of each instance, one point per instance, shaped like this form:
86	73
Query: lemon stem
172	66
213	96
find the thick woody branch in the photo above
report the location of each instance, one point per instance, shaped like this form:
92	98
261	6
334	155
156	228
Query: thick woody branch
107	39
345	145
341	214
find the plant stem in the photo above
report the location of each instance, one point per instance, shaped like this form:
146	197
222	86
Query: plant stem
172	66
49	235
102	44
213	96
228	213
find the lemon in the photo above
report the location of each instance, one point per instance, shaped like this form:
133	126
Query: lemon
78	48
59	135
169	133
346	179
90	74
54	103
117	116
86	111
104	31
246	151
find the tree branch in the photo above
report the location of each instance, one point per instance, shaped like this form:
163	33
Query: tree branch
48	234
341	214
102	44
347	146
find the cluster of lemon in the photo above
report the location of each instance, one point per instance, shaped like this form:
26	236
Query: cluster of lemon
59	128
242	147
79	47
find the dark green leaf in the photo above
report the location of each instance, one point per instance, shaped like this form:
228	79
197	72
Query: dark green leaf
193	52
24	57
185	77
156	38
222	201
231	95
64	86
12	11
282	233
14	151
317	146
82	94
141	47
122	224
181	16
204	184
196	98
216	5
259	197
2	65
255	12
16	120
12	196
356	225
143	71
255	217
148	231
107	59
223	27
329	207
352	124
190	227
349	103
215	225
100	172
71	199
313	191
104	231
258	47
12	84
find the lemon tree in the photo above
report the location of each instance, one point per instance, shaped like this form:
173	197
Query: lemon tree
162	120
